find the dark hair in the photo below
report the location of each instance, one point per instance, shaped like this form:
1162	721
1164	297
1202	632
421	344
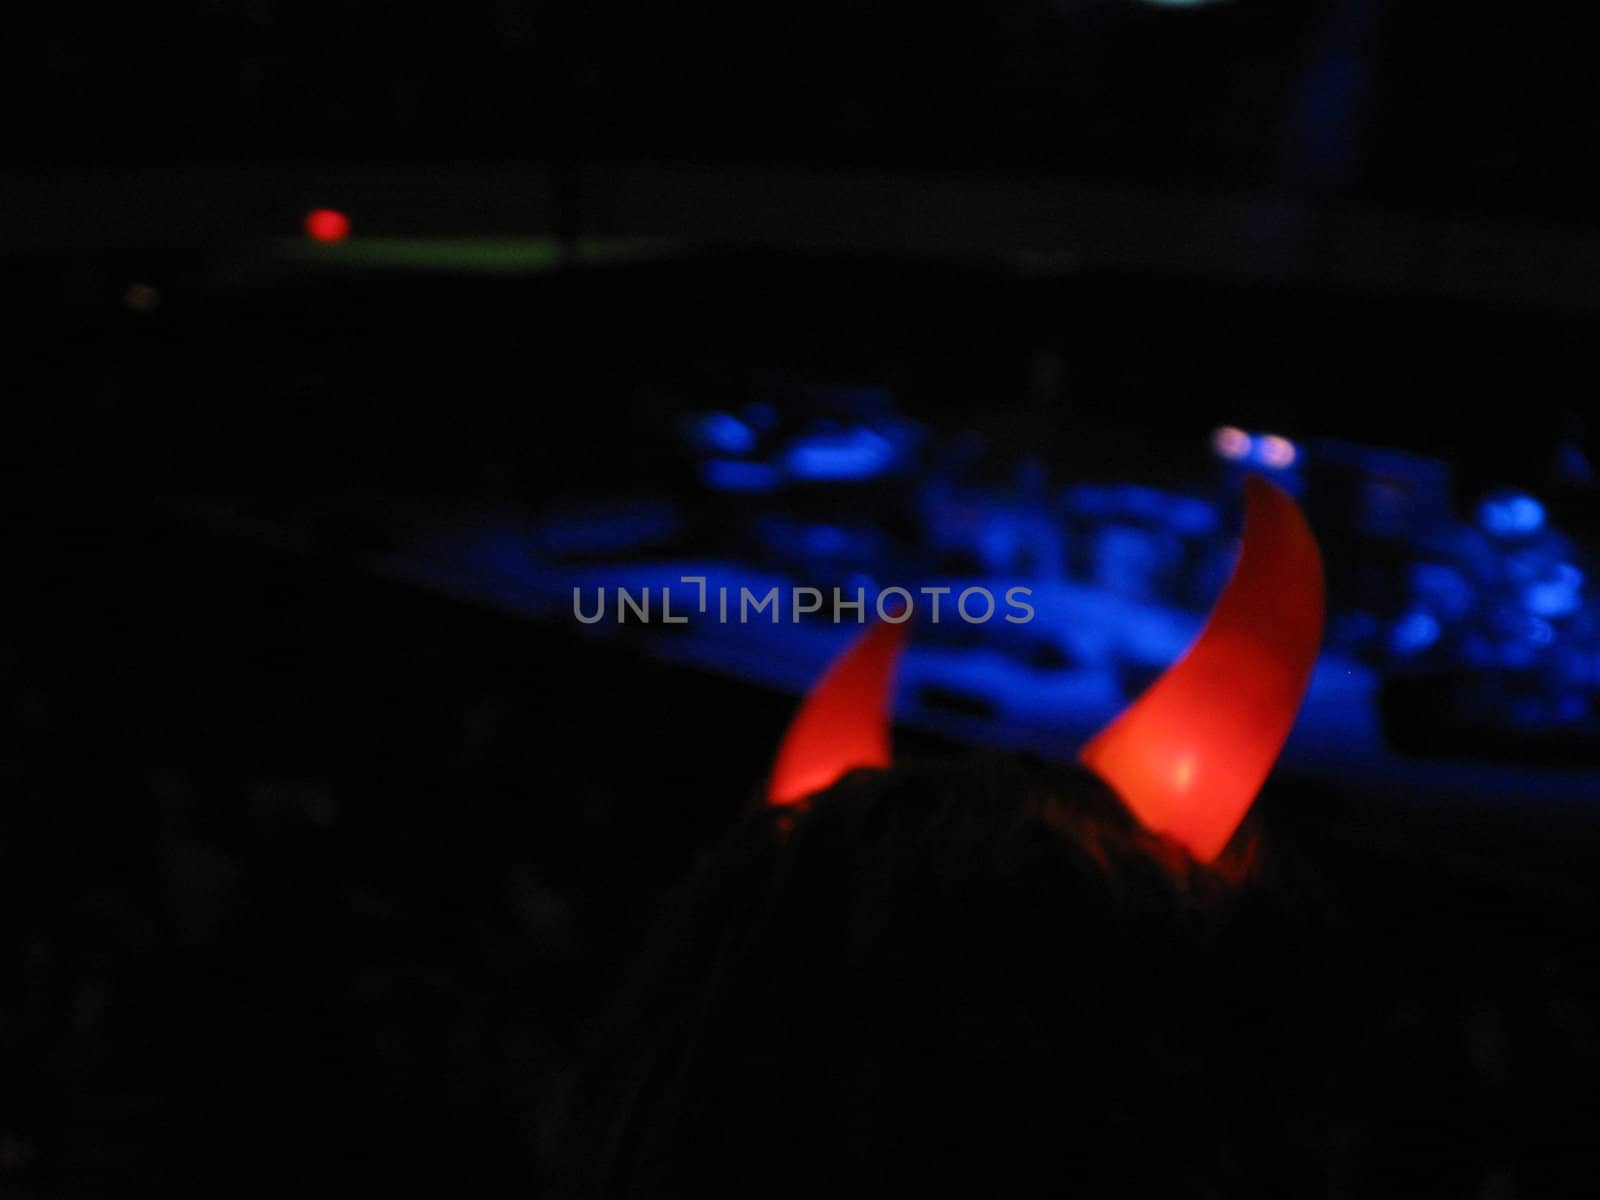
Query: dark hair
975	975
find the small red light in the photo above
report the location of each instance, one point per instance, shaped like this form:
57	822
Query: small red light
327	225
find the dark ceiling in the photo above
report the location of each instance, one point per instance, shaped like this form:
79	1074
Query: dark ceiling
1460	111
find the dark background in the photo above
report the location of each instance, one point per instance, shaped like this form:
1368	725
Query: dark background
310	878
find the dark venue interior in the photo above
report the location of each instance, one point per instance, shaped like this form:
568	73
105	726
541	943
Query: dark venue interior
347	345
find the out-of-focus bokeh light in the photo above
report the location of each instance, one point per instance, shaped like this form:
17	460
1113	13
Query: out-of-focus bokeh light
852	454
1442	589
1275	452
723	432
1557	593
1510	513
1231	443
327	225
141	297
1414	633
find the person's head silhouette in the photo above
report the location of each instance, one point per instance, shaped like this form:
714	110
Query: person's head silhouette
996	976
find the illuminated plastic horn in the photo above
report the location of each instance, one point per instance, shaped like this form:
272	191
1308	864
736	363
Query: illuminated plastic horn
844	721
1189	756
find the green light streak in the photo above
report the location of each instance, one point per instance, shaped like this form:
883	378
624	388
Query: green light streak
496	256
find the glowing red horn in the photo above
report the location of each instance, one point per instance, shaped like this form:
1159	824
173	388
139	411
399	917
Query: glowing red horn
1189	756
844	720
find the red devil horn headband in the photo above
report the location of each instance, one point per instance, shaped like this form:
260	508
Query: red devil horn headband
844	722
1188	756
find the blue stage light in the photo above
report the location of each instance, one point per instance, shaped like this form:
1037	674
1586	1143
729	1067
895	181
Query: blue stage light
1414	633
837	457
1556	594
724	432
1510	514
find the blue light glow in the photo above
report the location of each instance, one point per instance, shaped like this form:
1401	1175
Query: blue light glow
723	432
613	529
1493	600
1571	707
1128	560
1442	588
1556	594
732	475
835	457
806	541
1510	514
1414	633
1184	514
826	540
1539	631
